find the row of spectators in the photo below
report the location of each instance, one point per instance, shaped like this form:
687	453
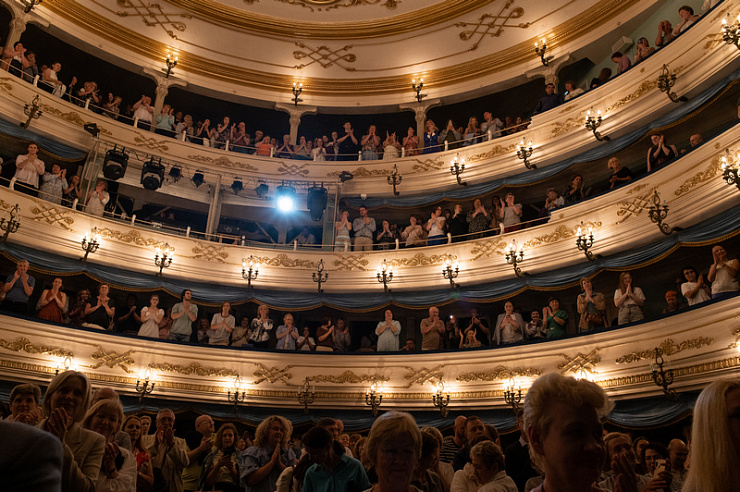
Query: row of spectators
82	440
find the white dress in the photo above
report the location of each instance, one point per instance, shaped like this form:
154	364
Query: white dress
150	327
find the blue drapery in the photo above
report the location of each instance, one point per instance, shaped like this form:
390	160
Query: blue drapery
48	145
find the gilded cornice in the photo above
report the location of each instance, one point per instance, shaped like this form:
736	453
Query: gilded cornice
23	344
668	346
499	373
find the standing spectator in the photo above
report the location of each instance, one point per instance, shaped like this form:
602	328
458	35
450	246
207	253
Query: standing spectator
364	228
28	168
239	137
573	193
318	153
30	69
435	228
145	475
143	111
118	470
629	299
591	306
643	50
220	470
72	192
411	142
391	147
621	174
165	121
413	235
331	147
451	136
687	18
549	100
50	79
555	319
261	327
491	127
622	61
168	453
241	333
451	445
285	151
431	138
13	58
183	315
222	325
458	224
77	310
509	326
261	464
333	465
535	328
198	444
478	219
370	145
479	326
388	331
432	331
694	289
472	132
453	334
342	339
151	316
665	34
386	238
112	107
603	77
347	145
305	342
286	334
511	214
571	91
130	321
97	198
518	462
678	452
100	315
18	288
342	228
722	273
53	303
53	184
660	152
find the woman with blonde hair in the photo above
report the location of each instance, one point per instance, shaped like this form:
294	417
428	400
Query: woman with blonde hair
629	299
394	448
144	472
591	306
621	175
261	327
261	464
118	471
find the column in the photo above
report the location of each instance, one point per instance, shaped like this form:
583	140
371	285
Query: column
550	72
420	114
17	27
163	87
295	112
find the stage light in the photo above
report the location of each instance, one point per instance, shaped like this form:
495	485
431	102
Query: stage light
285	197
175	173
198	178
115	163
237	186
152	174
92	129
316	201
262	190
346	176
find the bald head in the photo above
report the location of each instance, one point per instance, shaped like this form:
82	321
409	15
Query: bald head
460	427
696	139
104	393
204	424
677	454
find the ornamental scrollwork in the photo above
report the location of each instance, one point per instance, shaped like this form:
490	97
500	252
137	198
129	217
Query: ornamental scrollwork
193	369
152	14
293	169
151	143
23	344
335	4
361	172
561	232
112	359
491	25
5	86
324	56
714	169
644	87
485	249
581	362
223	162
568	125
283	260
209	252
348	377
53	216
495	151
72	117
272	374
668	346
499	373
421	260
131	236
427	165
351	262
635	207
424	375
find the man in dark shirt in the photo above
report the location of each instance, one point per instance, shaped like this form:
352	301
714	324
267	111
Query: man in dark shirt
549	101
458	224
518	463
348	145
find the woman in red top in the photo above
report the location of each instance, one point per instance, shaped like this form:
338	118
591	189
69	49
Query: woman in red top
53	302
145	474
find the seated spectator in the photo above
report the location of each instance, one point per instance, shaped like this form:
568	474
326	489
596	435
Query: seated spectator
431	137
24	404
387	332
410	346
696	140
305	342
100	314
694	290
643	50
687	18
491	127
553	200
239	137
12	59
571	91
220	470
510	214
261	327
347	145
472	132
665	34
722	273
591	306
204	326
331	147
509	326
53	184
286	334
119	467
77	310
112	107
261	464
488	462
480	326
536	329
97	198
629	299
72	193
302	149
391	147
660	153
18	288
673	303
332	464
623	62
555	319
413	235
604	76
573	193
144	472
435	227
305	238
549	100
370	145
621	175
386	238
478	220
151	317
143	111
53	303
470	339
30	69
394	438
28	168
450	135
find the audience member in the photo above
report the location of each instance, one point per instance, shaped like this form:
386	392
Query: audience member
388	332
478	219
555	319
168	453
393	447
222	325
370	144
100	315
451	445
488	461
411	142
241	333
629	300
53	303
518	463
603	77
450	135
184	313
220	470
24	404
143	111
386	238
435	228
51	80
571	91
347	145
620	464
130	320
549	100
665	34
151	317
13	57
118	470
305	238
432	331
305	342
72	192
458	224
28	168
687	18
261	464
474	429
472	132
425	476
509	326
660	153
536	328
409	346
491	127
591	306
722	273
623	62
431	138
333	470
342	338
678	453
342	228
573	193
325	336
97	198
286	334
53	184
510	214
364	228
662	479
144	473
77	311
198	444
673	303
414	235
479	326
694	290
643	50
621	174
261	327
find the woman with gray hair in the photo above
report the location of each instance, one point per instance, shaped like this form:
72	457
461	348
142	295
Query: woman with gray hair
118	471
24	404
394	447
488	462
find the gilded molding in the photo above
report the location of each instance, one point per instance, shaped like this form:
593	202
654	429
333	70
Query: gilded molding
570	124
272	374
499	372
645	87
151	143
361	172
638	188
5	86
713	170
283	260
209	252
488	248
635	207
7	206
335	4
291	169
423	375
427	165
53	216
495	151
669	348
581	362
132	236
491	25
193	369
351	262
349	377
561	232
72	117
222	162
23	344
152	15
112	359
324	56
421	260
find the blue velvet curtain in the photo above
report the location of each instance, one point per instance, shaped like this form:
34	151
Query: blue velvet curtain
56	149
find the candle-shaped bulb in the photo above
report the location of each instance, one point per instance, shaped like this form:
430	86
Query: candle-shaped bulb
590	230
598	113
579	231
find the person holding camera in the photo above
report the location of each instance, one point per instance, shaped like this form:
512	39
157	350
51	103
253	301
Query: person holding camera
220	467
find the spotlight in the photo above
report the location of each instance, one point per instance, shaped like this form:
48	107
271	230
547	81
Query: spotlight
198	178
285	197
262	190
237	186
346	176
175	173
152	174
92	129
115	163
316	201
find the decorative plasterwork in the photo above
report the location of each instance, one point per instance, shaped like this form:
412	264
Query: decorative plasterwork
486	249
499	373
635	207
209	252
423	375
52	215
710	172
23	344
283	260
668	346
131	236
151	143
361	172
351	262
561	232
72	117
495	151
290	169
324	56
152	15
193	369
581	362
427	165
222	161
272	374
348	377
112	359
5	86
421	260
324	5
491	25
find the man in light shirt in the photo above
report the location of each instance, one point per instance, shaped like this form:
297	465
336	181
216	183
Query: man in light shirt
28	168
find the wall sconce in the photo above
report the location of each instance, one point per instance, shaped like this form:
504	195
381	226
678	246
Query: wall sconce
163	257
658	213
513	394
662	377
540	50
729	172
32	110
373	398
297	91
731	32
385	275
90	244
306	395
593	123
11	225
584	242
29	5
666	81
395	179
237	394
417	88
451	274
514	258
457	169
524	153
440	399
146	386
65	364
250	273
319	276
171	63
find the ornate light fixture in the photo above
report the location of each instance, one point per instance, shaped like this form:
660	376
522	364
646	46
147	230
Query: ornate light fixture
170	62
163	257
662	377
32	110
297	91
666	81
513	394
64	365
250	273
29	5
385	275
524	153
440	399
11	225
451	274
373	397
593	123
417	88
730	172
237	394
146	386
306	395
395	179
457	169
91	243
319	276
731	32
540	50
514	258
658	213
584	242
